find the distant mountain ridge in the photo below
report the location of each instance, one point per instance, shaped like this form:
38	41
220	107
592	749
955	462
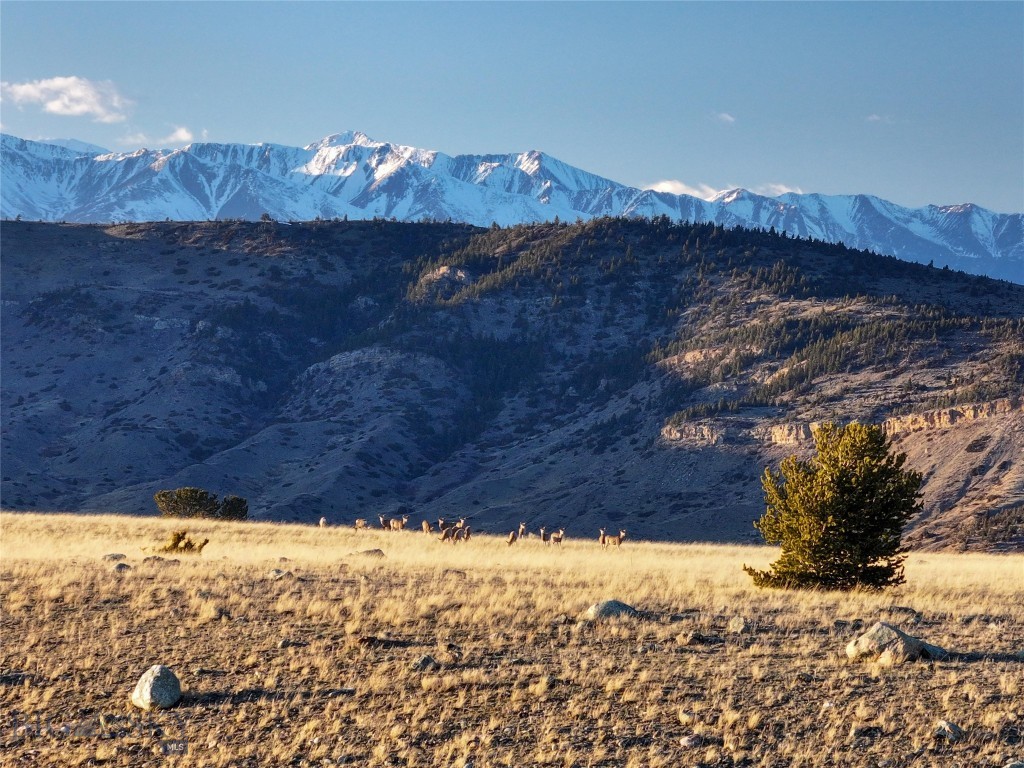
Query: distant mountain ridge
351	175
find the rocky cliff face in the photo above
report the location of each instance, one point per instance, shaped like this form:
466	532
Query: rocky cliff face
616	372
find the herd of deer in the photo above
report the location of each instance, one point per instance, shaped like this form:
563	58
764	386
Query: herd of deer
461	531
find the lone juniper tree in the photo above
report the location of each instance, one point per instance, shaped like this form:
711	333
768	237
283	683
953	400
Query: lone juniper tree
839	515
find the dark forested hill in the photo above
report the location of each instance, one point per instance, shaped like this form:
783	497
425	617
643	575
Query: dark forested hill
622	372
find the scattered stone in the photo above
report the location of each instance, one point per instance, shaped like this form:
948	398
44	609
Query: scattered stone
951	732
738	625
865	731
424	663
115	557
288	643
283	560
382	642
378	553
454	572
1015	764
153	559
608	609
276	574
333	693
122	568
202	672
888	646
158	688
692	741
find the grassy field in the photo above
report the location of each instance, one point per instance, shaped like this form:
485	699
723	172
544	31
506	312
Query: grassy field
323	666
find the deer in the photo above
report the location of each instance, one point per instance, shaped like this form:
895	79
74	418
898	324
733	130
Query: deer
360	524
512	538
398	525
441	523
447	534
323	522
426	527
602	539
544	534
384	522
615	541
522	530
466	531
556	538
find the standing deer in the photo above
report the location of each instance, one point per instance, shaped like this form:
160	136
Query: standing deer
426	527
556	538
615	541
603	538
512	537
384	522
397	525
544	534
522	530
447	534
323	522
360	524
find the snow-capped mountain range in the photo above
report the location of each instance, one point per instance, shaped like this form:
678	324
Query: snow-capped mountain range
350	174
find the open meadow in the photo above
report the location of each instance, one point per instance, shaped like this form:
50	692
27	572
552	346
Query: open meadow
472	654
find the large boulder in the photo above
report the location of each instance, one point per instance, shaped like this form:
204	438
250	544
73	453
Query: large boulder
158	688
887	645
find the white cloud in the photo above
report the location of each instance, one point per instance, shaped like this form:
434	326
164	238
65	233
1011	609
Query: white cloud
724	117
178	137
875	118
676	187
772	189
71	97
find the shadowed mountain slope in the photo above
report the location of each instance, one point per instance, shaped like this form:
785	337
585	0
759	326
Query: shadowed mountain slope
619	372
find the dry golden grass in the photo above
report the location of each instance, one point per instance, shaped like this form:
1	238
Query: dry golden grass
319	667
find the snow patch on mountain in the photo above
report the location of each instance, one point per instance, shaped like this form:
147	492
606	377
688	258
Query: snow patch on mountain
350	174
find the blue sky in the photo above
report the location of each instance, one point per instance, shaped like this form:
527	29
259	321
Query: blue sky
914	102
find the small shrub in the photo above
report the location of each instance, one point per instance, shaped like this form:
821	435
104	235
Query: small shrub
180	543
195	502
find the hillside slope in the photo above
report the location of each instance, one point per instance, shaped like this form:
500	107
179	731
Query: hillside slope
633	373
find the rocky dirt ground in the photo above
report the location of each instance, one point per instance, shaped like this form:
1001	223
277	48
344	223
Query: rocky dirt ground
300	646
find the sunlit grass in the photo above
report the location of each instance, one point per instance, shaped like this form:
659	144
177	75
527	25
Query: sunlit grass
319	667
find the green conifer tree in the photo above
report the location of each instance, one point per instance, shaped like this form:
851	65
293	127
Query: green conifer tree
839	516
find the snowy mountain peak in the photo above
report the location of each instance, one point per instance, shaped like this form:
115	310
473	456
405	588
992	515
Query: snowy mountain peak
350	174
343	139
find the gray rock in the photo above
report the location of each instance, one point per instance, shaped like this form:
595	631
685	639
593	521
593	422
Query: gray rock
368	553
692	741
424	663
608	609
1015	764
158	688
122	568
115	557
951	732
888	646
275	574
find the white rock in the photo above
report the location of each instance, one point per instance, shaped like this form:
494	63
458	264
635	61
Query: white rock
738	625
158	688
951	732
888	646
